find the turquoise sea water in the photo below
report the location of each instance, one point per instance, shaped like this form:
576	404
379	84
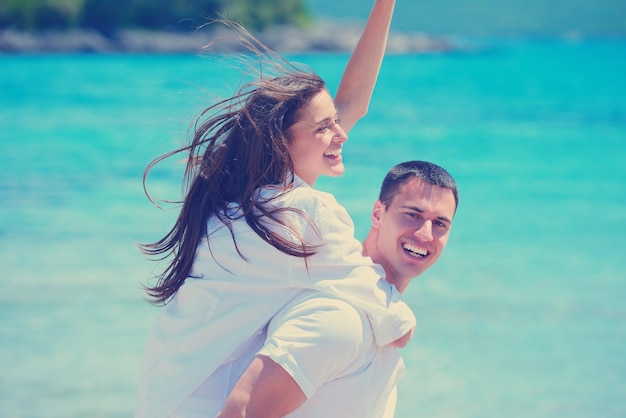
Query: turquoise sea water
523	316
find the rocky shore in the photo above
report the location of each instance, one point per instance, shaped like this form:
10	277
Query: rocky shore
284	40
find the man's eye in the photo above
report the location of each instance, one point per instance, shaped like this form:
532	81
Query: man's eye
440	224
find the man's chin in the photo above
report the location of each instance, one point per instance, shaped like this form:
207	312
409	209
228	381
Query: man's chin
414	269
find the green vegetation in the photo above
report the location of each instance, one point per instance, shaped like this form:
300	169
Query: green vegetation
107	16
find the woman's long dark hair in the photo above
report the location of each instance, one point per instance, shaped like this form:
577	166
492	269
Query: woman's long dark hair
237	146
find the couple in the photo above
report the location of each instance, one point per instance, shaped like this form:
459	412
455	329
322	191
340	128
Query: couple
271	307
318	357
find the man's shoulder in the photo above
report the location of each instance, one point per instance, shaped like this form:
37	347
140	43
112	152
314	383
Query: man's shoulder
327	317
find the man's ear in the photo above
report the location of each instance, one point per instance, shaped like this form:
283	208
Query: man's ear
376	212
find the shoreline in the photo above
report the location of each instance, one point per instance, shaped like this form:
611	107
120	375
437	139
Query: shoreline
282	40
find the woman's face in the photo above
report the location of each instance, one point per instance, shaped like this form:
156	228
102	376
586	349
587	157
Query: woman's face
315	140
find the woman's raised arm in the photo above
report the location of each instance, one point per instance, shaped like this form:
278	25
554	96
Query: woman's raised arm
359	78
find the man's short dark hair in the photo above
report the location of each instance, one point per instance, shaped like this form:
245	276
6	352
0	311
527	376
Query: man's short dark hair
427	172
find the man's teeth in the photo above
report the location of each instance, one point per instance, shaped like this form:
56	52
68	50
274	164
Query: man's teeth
415	251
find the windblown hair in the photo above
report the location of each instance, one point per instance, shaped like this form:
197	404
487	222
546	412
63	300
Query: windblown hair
427	172
237	146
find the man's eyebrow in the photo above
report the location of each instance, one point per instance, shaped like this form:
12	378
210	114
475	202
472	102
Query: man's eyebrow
413	208
420	210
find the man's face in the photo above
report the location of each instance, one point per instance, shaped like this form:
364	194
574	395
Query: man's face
413	230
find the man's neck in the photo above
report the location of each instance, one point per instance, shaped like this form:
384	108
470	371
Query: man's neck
401	285
369	249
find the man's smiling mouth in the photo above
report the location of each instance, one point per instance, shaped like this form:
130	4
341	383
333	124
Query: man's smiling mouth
415	251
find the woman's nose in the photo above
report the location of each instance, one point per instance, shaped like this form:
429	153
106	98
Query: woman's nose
340	134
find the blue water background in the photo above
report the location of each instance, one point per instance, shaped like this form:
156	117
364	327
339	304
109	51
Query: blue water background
523	316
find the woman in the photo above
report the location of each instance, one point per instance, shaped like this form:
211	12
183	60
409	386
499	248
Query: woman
253	233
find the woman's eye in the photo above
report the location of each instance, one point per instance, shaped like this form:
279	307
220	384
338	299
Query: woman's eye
328	126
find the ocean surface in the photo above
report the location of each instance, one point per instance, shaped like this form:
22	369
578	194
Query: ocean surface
524	316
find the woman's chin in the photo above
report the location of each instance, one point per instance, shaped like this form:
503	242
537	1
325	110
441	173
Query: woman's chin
337	170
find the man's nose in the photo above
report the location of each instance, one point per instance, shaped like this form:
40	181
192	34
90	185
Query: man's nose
425	231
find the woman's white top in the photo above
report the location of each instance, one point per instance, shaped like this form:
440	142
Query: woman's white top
227	299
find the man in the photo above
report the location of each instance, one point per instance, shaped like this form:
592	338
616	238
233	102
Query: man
319	358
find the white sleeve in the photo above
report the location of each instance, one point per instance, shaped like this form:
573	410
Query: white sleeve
340	269
317	339
390	405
